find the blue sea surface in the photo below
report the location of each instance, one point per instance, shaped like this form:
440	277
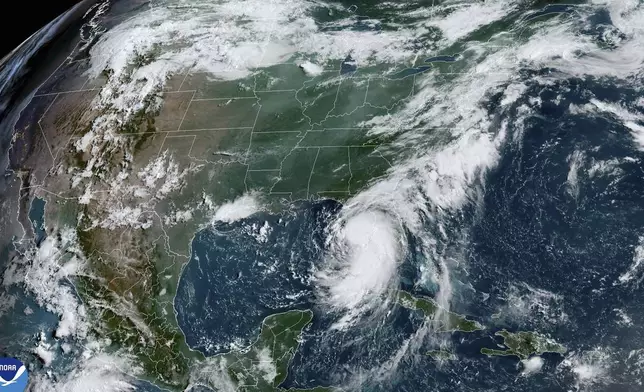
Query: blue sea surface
237	276
37	217
558	219
530	228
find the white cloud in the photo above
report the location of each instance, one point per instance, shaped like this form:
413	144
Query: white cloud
363	252
527	304
44	351
97	373
266	365
589	368
443	173
7	303
463	19
532	365
240	208
43	270
623	318
311	69
635	269
576	161
45	354
126	217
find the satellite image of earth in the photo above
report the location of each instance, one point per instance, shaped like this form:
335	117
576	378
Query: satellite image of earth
326	196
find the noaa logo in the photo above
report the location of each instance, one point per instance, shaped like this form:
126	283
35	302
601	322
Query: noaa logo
13	375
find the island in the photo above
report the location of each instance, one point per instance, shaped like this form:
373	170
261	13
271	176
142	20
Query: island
524	344
448	322
441	355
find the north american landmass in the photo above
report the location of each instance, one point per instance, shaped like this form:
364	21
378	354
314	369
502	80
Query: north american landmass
281	132
263	366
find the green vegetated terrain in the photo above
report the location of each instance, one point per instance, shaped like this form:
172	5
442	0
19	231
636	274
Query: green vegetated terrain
524	344
520	344
447	321
280	133
264	365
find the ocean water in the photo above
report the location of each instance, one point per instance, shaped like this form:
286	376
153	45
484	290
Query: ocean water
240	273
546	244
37	217
554	229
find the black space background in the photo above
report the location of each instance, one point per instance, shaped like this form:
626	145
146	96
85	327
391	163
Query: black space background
24	17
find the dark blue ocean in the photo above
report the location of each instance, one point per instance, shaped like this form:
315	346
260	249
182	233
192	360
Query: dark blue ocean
535	227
